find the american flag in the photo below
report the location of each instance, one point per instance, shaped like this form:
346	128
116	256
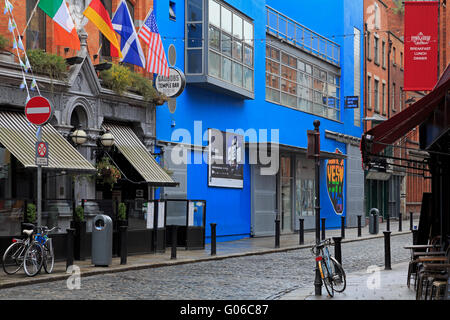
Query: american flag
156	58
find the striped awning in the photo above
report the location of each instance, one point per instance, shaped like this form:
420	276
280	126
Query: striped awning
137	154
19	137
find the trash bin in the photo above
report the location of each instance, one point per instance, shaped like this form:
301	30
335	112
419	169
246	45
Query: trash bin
102	231
373	221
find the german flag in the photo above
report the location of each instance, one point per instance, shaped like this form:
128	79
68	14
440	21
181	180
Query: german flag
97	13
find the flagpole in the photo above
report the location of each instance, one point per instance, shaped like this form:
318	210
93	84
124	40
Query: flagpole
31	16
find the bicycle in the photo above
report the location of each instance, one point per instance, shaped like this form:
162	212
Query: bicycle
48	256
14	256
331	271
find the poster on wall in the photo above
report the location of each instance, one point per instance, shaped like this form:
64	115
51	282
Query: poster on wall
335	183
225	159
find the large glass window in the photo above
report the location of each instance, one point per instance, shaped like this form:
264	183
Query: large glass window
230	46
194	34
294	83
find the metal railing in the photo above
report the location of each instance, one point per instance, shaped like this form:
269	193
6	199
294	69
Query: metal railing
285	28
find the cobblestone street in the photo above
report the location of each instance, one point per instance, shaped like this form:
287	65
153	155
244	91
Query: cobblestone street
267	276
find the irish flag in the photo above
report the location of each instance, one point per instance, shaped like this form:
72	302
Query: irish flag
65	32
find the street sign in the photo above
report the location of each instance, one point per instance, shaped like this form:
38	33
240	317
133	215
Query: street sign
173	85
351	102
41	158
38	110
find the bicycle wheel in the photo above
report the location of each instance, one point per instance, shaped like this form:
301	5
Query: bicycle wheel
326	278
49	257
13	258
32	263
339	280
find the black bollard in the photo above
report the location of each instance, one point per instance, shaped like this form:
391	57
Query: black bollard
414	233
173	253
302	232
410	221
359	225
400	221
277	233
342	227
323	228
387	250
213	238
337	249
123	244
70	241
388	223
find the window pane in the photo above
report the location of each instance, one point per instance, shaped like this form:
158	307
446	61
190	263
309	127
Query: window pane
248	56
214	38
195	35
288	73
320	86
248	32
272	95
194	10
226	44
288	100
226	69
308	69
323	75
214	13
272	81
248	79
237	50
304	93
272	67
226	19
237	74
288	86
214	64
304	105
194	58
284	58
316	72
300	65
304	79
332	91
237	26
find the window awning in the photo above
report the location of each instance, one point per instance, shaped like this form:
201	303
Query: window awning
378	138
137	154
19	137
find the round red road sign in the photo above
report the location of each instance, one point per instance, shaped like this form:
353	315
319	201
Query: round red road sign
38	110
42	149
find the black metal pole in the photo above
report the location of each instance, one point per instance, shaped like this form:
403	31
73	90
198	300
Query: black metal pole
359	225
318	279
277	233
337	249
388	223
410	221
323	228
387	250
69	257
213	239
342	227
123	244
173	253
302	232
400	221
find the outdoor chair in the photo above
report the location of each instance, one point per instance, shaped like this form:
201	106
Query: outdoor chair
439	286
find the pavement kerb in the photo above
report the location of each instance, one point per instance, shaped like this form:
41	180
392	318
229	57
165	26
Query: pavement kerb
123	268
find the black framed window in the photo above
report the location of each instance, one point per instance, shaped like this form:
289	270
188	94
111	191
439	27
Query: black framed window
36	31
105	50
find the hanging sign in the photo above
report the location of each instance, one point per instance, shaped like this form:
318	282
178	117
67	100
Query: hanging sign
173	85
351	102
38	110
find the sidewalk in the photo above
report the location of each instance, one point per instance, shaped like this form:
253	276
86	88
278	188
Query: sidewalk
238	248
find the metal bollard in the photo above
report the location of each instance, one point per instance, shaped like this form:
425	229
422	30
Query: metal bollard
400	221
388	223
173	253
70	241
359	225
414	233
342	227
337	249
213	238
411	221
277	233
301	232
387	250
123	244
323	228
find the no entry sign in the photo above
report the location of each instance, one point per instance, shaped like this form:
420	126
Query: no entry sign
38	110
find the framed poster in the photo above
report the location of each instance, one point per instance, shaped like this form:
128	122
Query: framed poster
225	159
149	210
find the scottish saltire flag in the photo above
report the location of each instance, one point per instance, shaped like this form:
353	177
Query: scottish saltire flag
129	42
156	58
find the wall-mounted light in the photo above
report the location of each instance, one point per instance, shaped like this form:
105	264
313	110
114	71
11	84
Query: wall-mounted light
79	136
107	139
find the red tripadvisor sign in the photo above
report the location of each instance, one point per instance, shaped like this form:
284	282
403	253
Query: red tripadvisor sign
421	35
38	110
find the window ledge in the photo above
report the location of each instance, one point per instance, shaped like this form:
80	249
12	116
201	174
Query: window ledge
220	86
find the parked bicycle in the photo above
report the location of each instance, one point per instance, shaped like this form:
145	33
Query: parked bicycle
331	271
31	253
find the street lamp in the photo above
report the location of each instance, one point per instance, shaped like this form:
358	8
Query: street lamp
79	136
107	139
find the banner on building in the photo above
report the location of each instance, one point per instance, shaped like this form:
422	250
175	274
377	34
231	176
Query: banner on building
421	45
225	159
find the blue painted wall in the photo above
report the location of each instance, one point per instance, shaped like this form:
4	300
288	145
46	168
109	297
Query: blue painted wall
230	208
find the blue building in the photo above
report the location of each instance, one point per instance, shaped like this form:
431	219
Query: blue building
264	71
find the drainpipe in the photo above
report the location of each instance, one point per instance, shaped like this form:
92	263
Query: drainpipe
389	76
